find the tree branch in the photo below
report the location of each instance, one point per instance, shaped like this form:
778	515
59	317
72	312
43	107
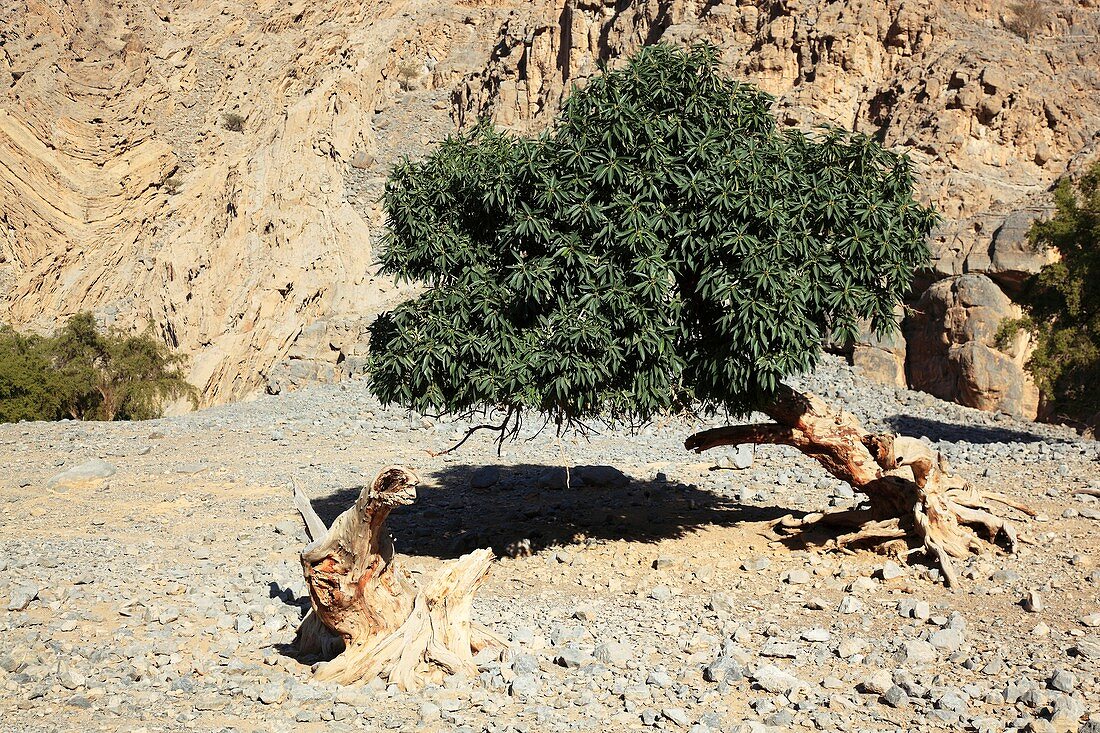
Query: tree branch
738	434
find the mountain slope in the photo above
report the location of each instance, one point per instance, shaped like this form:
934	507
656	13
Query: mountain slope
123	188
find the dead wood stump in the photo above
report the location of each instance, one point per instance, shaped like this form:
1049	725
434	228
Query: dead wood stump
913	498
368	619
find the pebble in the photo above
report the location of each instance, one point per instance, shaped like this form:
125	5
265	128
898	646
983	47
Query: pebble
891	571
816	635
273	693
877	682
22	595
798	577
851	647
916	652
676	715
740	459
571	658
485	477
660	593
1063	681
772	679
629	622
946	639
525	686
613	652
850	604
895	696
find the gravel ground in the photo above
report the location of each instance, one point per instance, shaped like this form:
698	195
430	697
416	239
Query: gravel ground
163	596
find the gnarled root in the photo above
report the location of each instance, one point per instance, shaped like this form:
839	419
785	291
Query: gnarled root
911	493
368	619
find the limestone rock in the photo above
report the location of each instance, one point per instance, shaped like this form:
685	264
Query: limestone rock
85	474
881	357
952	352
1011	258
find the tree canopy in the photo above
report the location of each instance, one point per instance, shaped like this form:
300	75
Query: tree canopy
84	374
1062	303
664	242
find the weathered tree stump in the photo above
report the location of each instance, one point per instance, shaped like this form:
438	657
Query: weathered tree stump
368	619
912	495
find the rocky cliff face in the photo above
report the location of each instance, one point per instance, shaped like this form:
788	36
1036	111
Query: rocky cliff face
126	189
185	164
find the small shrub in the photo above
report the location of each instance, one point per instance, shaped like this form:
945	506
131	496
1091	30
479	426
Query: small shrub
1029	17
29	387
233	122
407	73
172	185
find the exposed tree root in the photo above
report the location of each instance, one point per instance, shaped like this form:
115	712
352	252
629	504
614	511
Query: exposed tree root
912	495
368	620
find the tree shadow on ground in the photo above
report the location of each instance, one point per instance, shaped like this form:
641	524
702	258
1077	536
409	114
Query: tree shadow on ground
527	509
935	430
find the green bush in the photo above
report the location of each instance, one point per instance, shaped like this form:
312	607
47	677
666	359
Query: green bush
29	387
86	375
665	242
1062	304
233	122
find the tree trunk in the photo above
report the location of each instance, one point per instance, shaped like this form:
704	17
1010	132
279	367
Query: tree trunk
911	494
367	618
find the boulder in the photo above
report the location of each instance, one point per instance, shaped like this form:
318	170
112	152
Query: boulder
1011	258
85	475
881	358
952	351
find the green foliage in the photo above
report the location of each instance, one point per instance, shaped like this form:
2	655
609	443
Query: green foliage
233	121
28	384
80	373
665	242
1062	302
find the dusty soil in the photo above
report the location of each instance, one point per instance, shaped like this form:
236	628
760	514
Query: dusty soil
165	595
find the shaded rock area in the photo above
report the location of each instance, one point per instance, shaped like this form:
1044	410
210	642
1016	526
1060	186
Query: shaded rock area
952	351
1011	258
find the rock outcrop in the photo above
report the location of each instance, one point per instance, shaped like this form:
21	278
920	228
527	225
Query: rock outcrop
188	166
1011	258
952	351
212	169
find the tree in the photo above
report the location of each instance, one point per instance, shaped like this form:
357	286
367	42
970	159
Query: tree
29	387
667	245
115	376
1062	304
87	375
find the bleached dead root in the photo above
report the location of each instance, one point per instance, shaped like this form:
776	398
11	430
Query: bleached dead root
368	620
